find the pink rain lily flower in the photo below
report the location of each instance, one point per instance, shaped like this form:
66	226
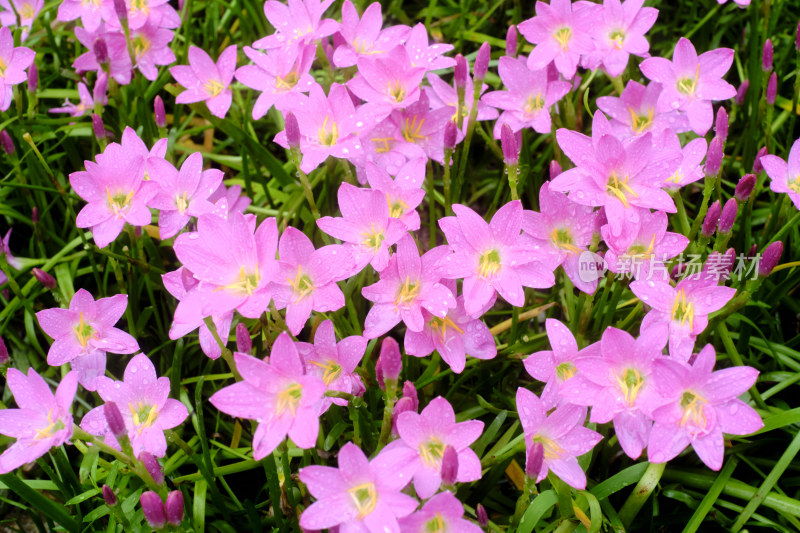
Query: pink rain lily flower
681	311
183	194
690	169
740	3
27	10
563	230
455	336
529	96
388	79
620	386
134	145
42	419
361	495
151	49
785	175
424	437
634	112
646	256
91	14
300	22
403	193
362	37
408	285
702	406
442	94
493	257
234	200
278	394
12	261
443	512
334	363
76	110
207	81
557	366
306	278
277	74
116	191
561	32
691	82
84	333
618	32
234	262
119	61
15	62
156	13
560	437
424	55
365	226
143	400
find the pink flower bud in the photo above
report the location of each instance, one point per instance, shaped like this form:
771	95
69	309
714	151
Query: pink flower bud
482	62
243	341
712	219
292	131
770	258
772	89
533	462
766	55
480	513
722	124
450	135
390	362
174	508
511	41
461	72
6	142
109	496
121	10
153	467
35	215
728	216
100	49
677	271
44	278
757	166
752	252
509	144
153	509
410	391
745	187
114	419
714	157
741	92
97	126
403	404
33	78
797	38
100	87
449	465
158	110
4	358
555	169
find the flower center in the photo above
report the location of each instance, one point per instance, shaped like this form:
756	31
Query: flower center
364	497
562	36
436	525
289	399
213	88
552	450
432	451
619	188
119	201
181	202
27	12
396	208
794	185
287	82
489	264
302	284
440	325
139	5
3	67
143	415
683	310
617	38
331	370
373	239
533	104
328	137
51	428
687	85
141	45
83	331
411	130
246	283
630	383
565	370
693	406
382	144
562	239
396	91
641	123
639	251
407	292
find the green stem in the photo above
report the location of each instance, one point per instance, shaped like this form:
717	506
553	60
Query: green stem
448	154
736	359
227	355
513	177
388	408
641	493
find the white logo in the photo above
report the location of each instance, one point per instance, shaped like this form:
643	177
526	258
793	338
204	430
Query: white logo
591	267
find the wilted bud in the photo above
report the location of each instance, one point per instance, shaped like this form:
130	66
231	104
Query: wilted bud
511	41
109	496
508	142
410	391
714	157
390	362
243	341
33	78
292	131
100	49
97	126
153	467
772	89
4	358
745	187
158	110
449	465
482	62
741	92
770	258
712	219
174	507
44	278
114	419
450	136
728	216
121	9
35	215
6	142
480	513
533	462
555	169
757	166
766	55
722	124
153	509
461	72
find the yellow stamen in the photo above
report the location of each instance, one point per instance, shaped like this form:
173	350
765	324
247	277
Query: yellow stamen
384	144
213	88
141	45
396	208
289	399
620	189
562	239
51	428
411	130
641	123
440	325
436	525
693	410
245	283
552	450
328	138
630	383
182	203
83	331
687	86
287	82
364	497
373	239
396	91
331	370
617	38
533	104
143	415
563	36
794	185
407	292
565	371
119	201
489	264
431	452
301	284
683	310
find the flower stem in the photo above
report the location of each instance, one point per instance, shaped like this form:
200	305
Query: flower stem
641	493
227	355
389	398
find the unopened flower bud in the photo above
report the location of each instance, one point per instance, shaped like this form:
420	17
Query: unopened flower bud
450	136
44	278
766	55
461	72
482	62
449	465
390	362
153	509
480	513
153	467
770	258
243	341
511	41
114	419
4	358
677	271
159	112
721	125
753	251
33	78
292	131
97	126
533	462
712	219
757	166
410	391
109	496
6	142
741	92
745	187
728	216
35	215
797	38
714	157
121	10
100	49
509	144
772	89
174	508
403	405
555	169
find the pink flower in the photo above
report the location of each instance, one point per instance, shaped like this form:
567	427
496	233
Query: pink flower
134	145
560	33
492	258
444	512
41	421
15	62
298	23
84	333
691	167
10	259
278	394
77	110
691	83
741	3
143	400
441	94
306	278
785	175
183	194
365	226
232	197
151	49
560	436
423	438
618	32
408	285
427	56
389	79
634	112
360	495
702	405
91	14
207	81
27	10
529	96
119	61
403	193
364	37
